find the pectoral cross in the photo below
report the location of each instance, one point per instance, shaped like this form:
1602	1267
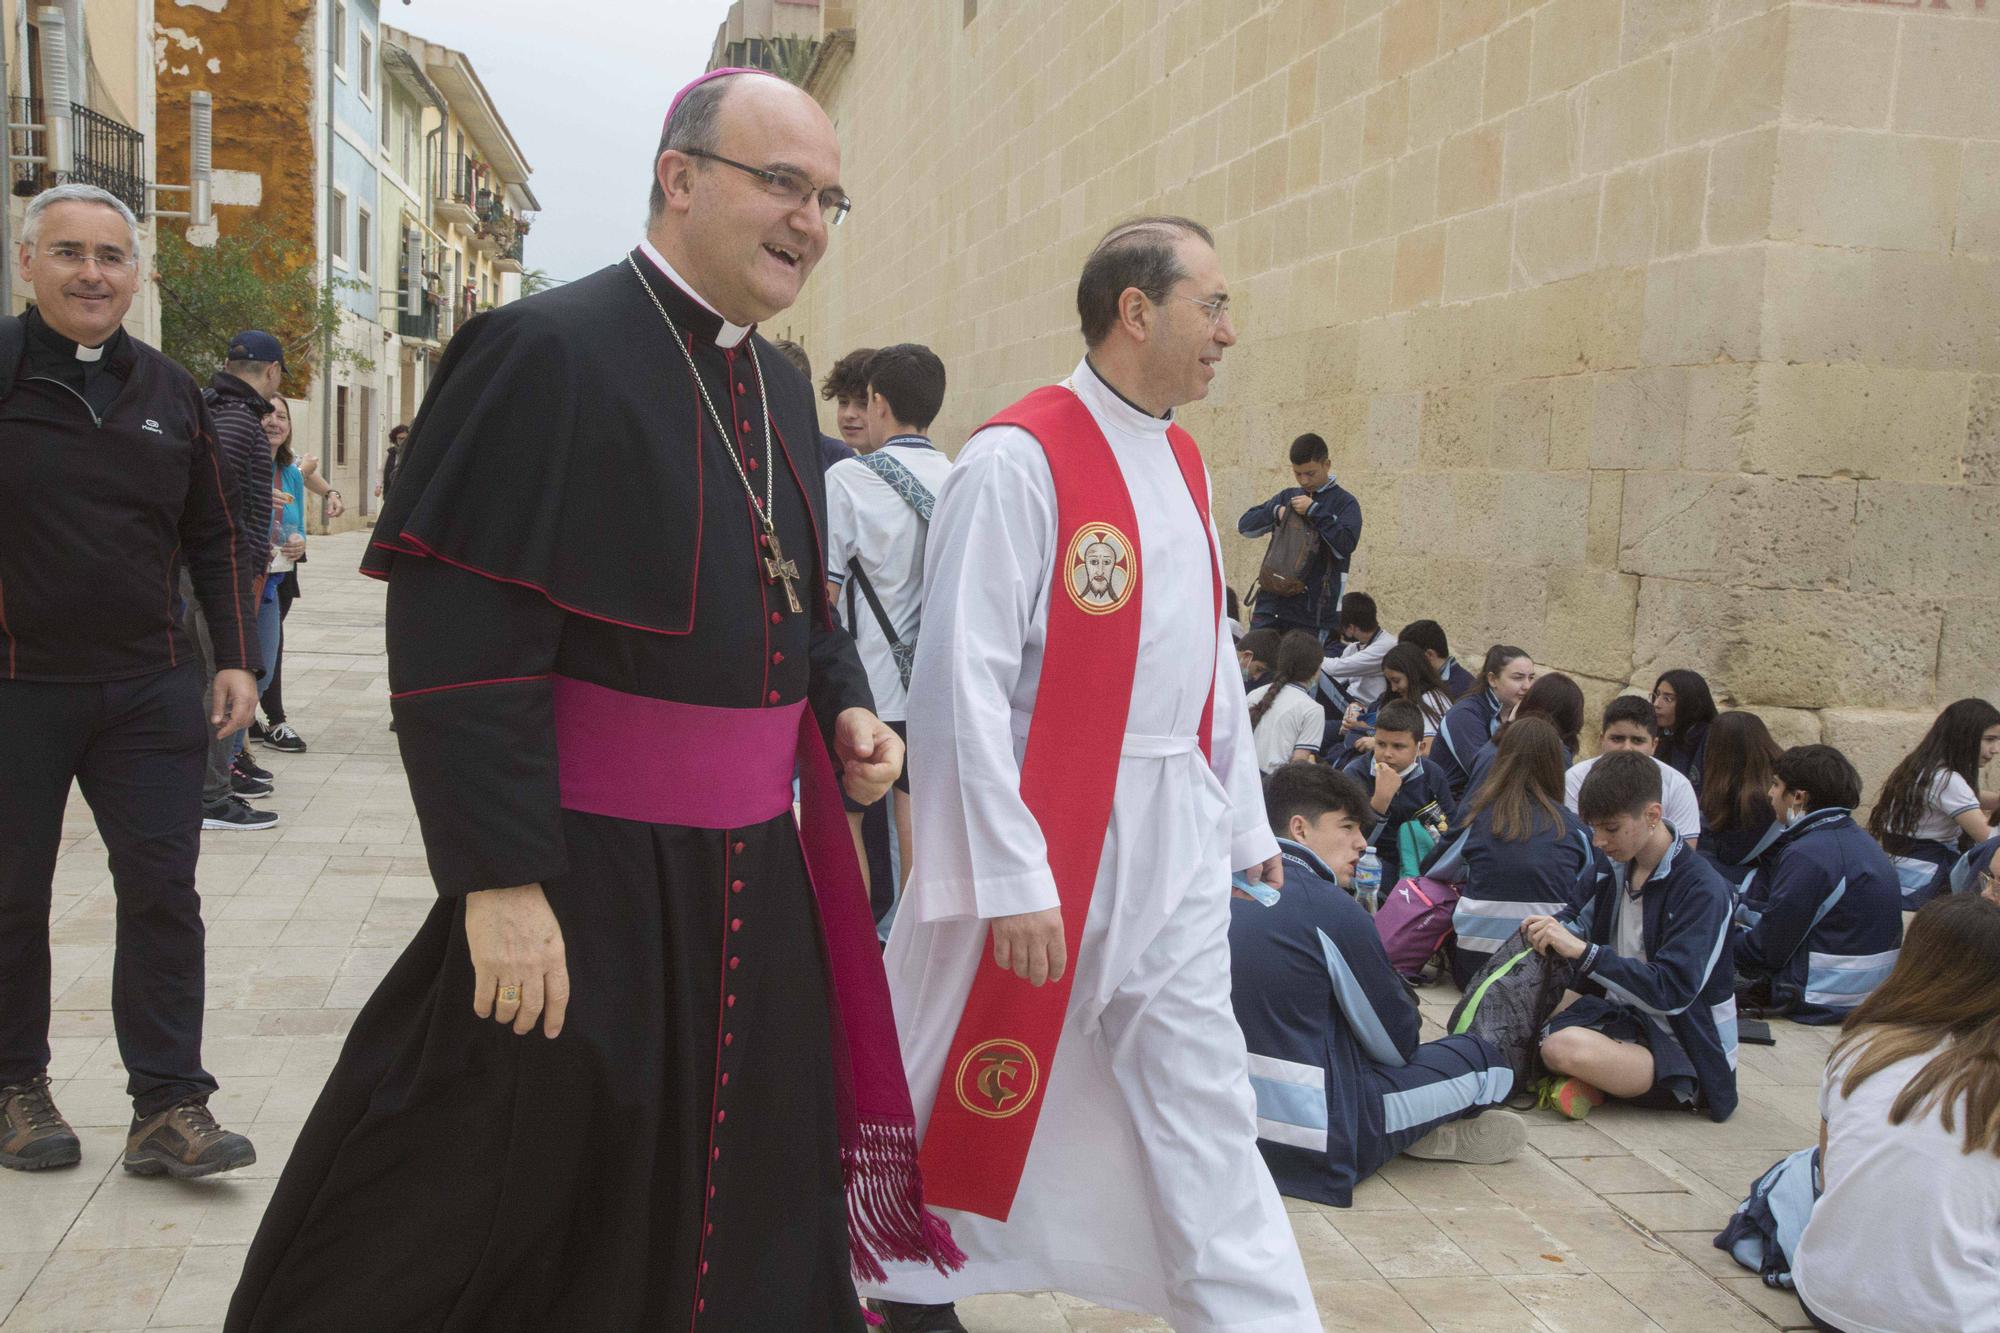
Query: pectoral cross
777	569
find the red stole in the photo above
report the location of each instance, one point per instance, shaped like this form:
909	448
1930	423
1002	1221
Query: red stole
995	1077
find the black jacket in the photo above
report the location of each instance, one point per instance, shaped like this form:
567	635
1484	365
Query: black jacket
238	412
98	509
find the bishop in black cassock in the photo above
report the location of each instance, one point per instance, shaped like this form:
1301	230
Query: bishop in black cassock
575	552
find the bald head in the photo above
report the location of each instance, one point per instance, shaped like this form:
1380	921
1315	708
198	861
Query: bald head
747	171
695	122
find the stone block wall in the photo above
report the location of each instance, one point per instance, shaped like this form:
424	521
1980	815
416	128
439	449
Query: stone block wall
1650	333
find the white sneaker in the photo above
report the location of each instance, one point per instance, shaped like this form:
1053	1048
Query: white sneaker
1487	1139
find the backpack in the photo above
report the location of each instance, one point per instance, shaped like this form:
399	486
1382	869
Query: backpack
1289	557
1509	1000
1413	922
1768	1225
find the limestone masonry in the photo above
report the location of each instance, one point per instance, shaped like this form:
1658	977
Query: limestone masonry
1650	333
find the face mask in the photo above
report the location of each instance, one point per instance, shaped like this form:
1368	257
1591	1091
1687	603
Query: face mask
1791	817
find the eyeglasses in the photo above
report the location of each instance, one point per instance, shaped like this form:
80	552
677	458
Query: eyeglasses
1218	309
784	183
109	262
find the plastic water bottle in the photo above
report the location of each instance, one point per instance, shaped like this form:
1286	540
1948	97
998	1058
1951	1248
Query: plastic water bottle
1368	880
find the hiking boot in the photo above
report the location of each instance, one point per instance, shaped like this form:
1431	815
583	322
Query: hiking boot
184	1142
33	1134
280	736
232	813
1567	1096
249	768
900	1317
1483	1140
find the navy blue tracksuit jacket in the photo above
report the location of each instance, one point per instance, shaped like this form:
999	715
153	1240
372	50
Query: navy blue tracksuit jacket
1827	927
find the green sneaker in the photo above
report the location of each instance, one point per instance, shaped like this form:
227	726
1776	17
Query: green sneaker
1567	1096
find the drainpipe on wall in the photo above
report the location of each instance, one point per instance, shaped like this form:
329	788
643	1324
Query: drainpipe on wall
326	343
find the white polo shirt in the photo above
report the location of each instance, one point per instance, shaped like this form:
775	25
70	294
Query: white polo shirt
1678	803
868	522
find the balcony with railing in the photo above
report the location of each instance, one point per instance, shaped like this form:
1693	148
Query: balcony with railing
458	193
104	153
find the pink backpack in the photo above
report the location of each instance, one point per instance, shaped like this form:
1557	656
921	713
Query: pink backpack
1413	921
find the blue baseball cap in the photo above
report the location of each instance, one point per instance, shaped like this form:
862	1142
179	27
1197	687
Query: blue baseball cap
256	345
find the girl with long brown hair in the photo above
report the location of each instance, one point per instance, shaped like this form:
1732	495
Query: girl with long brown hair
1287	722
1904	1235
1518	851
1739	825
1931	808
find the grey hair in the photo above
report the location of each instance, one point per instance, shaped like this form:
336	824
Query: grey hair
76	192
695	126
1135	253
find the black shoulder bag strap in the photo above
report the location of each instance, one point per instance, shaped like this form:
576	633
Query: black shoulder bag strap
13	345
904	653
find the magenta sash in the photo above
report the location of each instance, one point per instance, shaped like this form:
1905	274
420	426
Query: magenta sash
656	761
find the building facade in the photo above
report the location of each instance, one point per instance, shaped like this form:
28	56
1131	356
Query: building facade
112	96
345	138
1650	333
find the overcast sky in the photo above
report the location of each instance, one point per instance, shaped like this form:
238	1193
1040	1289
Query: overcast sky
583	85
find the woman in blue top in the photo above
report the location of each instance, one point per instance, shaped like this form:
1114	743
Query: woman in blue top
288	501
1503	678
1518	850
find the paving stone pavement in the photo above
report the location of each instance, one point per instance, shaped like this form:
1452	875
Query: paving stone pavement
1601	1226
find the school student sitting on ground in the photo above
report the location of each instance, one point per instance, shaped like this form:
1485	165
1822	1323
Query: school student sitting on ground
1257	654
1285	719
1824	931
1976	871
1554	698
1904	1235
1405	790
1504	677
1429	636
1517	850
1628	725
1354	676
1655	1023
1342	1083
1407	674
1739	824
1684	710
1931	799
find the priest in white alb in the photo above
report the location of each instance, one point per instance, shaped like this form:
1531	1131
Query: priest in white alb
1085	784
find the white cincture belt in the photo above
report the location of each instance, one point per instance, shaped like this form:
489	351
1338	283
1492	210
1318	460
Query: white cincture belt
1134	746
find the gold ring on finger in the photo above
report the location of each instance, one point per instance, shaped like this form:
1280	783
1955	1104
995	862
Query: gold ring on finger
510	995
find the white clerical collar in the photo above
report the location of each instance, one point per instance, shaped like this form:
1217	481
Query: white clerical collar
89	353
1108	405
731	334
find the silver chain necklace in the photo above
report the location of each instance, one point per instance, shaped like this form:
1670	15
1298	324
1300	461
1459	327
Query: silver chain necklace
777	568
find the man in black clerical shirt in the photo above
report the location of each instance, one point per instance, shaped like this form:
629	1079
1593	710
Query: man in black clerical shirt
607	1087
109	480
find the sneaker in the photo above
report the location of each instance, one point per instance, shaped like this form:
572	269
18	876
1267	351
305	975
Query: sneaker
1483	1140
232	813
280	736
901	1317
184	1142
248	788
249	768
33	1134
1567	1096
256	732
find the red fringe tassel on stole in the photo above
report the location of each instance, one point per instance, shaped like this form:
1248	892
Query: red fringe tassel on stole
886	1217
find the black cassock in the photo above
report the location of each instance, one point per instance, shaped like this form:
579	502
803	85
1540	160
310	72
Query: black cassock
564	509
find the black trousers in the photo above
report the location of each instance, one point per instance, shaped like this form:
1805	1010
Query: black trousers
137	749
273	699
